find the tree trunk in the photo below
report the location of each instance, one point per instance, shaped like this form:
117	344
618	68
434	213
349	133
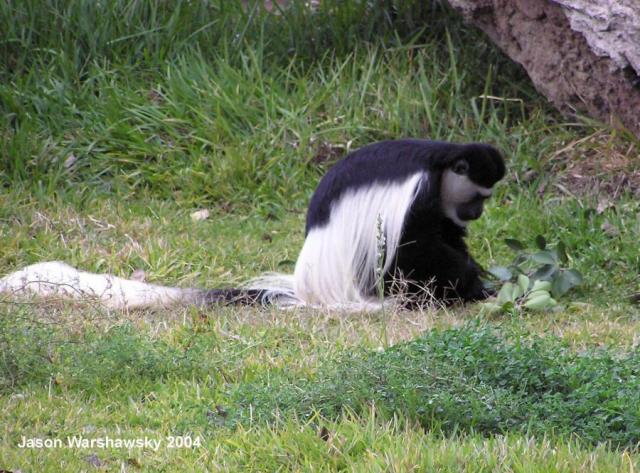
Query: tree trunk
583	55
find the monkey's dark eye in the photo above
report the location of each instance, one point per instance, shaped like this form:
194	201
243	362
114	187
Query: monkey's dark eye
461	167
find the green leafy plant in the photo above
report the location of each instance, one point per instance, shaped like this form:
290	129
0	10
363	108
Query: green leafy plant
534	280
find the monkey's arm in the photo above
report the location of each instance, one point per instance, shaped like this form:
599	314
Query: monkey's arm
449	271
455	272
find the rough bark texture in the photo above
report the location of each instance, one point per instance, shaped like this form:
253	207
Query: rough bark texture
611	28
583	55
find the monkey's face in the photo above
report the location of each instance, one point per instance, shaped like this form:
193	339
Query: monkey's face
462	198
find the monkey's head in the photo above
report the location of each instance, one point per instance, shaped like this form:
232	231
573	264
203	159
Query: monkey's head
467	181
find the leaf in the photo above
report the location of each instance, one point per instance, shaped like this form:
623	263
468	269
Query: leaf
515	245
523	283
540	285
544	273
564	281
521	258
541	242
544	257
538	293
540	302
506	293
517	292
575	276
489	286
501	272
558	287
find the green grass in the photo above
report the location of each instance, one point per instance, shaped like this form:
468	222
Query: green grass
119	119
242	127
468	379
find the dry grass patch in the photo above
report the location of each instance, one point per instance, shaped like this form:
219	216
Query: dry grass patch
603	164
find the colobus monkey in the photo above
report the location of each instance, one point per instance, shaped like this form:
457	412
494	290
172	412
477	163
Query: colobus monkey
394	210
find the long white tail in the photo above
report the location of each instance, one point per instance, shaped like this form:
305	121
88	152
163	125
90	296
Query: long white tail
55	278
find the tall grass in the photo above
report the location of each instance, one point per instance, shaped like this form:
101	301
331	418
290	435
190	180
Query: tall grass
207	102
147	33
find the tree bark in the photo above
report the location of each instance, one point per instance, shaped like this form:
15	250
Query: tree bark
583	55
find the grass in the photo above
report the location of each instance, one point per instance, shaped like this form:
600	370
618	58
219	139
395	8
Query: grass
244	127
119	119
468	379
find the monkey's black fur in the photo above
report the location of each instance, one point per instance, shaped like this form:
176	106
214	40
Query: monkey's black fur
433	255
432	252
231	296
396	160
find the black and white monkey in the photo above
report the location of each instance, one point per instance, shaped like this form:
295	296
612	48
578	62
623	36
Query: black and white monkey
394	209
